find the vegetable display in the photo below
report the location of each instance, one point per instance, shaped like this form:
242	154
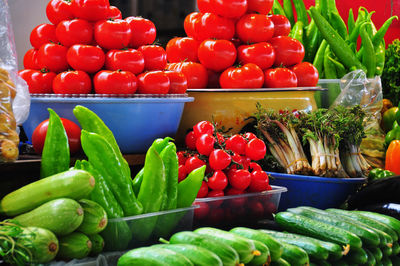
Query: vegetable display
390	74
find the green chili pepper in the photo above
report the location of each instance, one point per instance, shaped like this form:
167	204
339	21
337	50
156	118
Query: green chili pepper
368	57
301	11
329	67
380	58
393	134
189	187
340	26
323	4
378	173
105	160
350	21
378	37
137	182
277	9
55	155
332	7
319	57
311	41
287	7
159	144
297	31
340	69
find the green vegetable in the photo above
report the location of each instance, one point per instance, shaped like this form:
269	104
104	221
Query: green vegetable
386	219
357	256
338	24
137	182
329	66
396	248
389	117
393	134
74	246
301	12
97	244
319	57
368	56
297	31
280	262
386	261
277	9
380	34
311	40
189	187
294	255
117	235
387	251
287	7
376	252
340	69
264	257
350	21
95	217
378	173
391	73
74	184
380	58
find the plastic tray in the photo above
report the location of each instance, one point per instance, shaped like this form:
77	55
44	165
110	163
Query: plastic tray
237	210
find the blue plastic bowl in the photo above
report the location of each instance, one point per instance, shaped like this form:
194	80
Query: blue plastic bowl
135	122
318	192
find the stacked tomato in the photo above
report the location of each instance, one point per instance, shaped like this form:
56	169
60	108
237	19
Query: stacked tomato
89	47
236	44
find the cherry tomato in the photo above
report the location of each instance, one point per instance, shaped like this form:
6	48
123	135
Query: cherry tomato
236	158
205	144
30	59
256	149
220	138
143	31
256	208
52	57
115	82
181	157
114	13
254	167
155	57
219	159
280	78
190	140
153	82
193	163
196	74
253	28
203	191
307	74
212	26
259	181
128	60
177	82
246	162
247	76
205	6
288	51
38	81
203	127
181	173
217	55
59	10
233	191
262	54
249	136
218	181
92	10
72	82
112	34
259	6
229	8
180	49
73	132
239	179
201	212
216	215
189	22
87	58
76	31
215	194
42	34
213	79
237	144
281	25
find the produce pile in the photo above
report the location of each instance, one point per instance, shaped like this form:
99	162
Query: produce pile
391	73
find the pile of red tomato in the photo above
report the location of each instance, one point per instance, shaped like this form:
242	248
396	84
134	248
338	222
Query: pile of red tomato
88	47
236	44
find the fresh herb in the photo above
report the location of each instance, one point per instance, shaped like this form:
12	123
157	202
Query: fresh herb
391	73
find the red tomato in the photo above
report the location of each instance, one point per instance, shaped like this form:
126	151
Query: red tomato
259	6
217	55
195	73
239	179
212	26
52	57
259	181
38	81
76	31
280	78
216	193
115	82
237	144
218	181
201	212
247	76
262	54
205	6
114	13
112	34
254	28
256	149
59	10
203	191
254	167
288	51
193	163
73	132
203	127
219	160
182	49
190	140
229	8
128	60
181	173
205	144
189	22
153	82
30	59
92	10
281	25
155	57
181	157
177	82
249	136
307	74
213	79
72	82
143	31
42	34
87	58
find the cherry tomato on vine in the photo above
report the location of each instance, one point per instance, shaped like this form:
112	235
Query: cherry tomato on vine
190	140
177	82
189	22
112	34
229	8
212	26
247	76
72	82
259	6
249	136
204	6
181	157
218	181
92	10
42	34
216	193
254	167
259	181
128	60
75	31
155	57
114	13
280	78
262	54
281	25
192	163
307	74
38	81
53	57
203	127
239	179
87	58
256	149
253	28
219	159
59	10
203	191
30	59
288	51
205	144
143	31
153	82
115	82
182	48
196	74
237	144
217	55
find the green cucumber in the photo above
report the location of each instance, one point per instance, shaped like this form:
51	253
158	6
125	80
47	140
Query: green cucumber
377	252
227	254
150	256
371	258
197	255
242	245
386	261
95	217
275	248
264	257
97	244
386	219
306	226
294	255
74	184
395	248
280	262
74	246
313	248
367	236
386	251
357	256
61	216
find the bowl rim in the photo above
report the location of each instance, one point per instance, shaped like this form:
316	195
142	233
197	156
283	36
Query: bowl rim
283	176
99	100
258	90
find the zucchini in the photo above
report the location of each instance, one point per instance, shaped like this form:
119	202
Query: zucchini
386	261
264	258
313	248
227	254
61	216
275	248
74	246
242	245
371	258
306	226
150	256
197	255
377	252
294	255
386	219
395	249
357	256
97	244
95	217
74	184
280	262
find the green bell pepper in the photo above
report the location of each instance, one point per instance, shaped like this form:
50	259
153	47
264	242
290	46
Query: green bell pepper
393	134
379	173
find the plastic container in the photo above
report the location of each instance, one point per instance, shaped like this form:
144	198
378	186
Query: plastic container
135	121
237	210
318	192
326	97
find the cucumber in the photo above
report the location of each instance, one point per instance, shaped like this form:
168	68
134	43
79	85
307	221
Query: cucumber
371	258
264	258
97	244
275	248
74	184
386	261
242	245
150	256
294	255
299	224
280	262
197	255
61	216
74	246
95	217
395	249
386	251
227	254
377	252
313	248
386	219
357	256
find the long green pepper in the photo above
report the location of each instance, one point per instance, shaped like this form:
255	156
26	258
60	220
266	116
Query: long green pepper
338	23
319	57
368	56
277	9
297	31
287	7
311	40
301	11
380	52
350	21
329	67
340	69
189	187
